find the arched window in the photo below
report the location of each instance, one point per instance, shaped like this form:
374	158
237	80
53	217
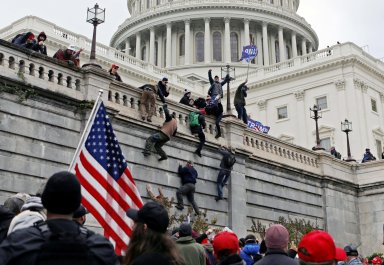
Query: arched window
234	47
148	3
199	47
182	45
281	2
144	53
158	2
217	46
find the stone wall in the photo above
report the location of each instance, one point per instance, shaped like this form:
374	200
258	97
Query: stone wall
272	178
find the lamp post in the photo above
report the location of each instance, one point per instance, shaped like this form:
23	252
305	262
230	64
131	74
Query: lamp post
95	16
346	127
316	115
227	70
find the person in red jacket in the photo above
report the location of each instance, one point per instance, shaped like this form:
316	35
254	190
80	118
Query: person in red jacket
69	55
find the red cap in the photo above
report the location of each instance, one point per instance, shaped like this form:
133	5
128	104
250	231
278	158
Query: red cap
318	246
115	66
341	255
377	260
226	240
31	36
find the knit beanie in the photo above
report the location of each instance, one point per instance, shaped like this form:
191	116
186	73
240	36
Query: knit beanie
62	193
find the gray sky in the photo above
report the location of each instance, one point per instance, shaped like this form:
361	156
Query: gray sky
357	21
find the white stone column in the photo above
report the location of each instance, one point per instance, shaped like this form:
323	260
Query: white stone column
310	48
187	35
246	32
227	40
207	40
265	44
127	46
152	45
272	39
168	59
301	124
259	45
138	45
304	46
160	51
281	44
294	45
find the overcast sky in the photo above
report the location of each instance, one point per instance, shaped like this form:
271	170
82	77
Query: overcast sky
358	21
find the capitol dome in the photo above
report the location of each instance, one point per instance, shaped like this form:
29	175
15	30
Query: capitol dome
187	35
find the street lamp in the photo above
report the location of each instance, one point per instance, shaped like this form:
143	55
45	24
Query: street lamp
226	70
316	115
95	16
346	127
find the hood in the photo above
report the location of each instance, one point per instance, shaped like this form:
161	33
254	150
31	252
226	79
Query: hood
185	240
5	214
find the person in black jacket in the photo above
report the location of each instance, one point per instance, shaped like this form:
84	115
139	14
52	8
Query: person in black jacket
188	175
186	99
39	45
239	102
226	165
113	72
38	244
163	89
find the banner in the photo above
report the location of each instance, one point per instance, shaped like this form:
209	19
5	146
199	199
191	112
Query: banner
258	126
249	53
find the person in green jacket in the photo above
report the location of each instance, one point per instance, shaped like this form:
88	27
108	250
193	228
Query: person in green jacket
192	252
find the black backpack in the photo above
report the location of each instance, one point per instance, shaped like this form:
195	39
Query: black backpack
63	248
229	160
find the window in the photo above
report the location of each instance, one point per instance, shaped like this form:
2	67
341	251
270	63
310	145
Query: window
288	52
234	47
282	113
373	105
158	2
182	45
148	3
217	46
378	148
326	143
199	47
277	53
322	103
156	52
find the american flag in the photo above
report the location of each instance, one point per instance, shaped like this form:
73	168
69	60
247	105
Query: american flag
108	189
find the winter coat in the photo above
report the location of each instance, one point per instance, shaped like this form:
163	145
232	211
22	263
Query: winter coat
39	48
185	100
273	257
216	88
23	246
224	153
25	219
354	261
210	258
233	259
6	217
187	174
240	95
116	76
192	252
248	252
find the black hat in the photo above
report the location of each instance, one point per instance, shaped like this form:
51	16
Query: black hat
351	250
185	230
62	193
81	211
153	214
165	79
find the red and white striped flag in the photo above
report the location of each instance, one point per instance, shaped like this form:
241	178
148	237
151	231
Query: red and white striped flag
108	189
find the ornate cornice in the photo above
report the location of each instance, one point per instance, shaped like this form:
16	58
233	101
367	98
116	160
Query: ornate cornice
299	95
262	104
340	84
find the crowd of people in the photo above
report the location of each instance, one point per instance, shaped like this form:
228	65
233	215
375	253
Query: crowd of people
48	228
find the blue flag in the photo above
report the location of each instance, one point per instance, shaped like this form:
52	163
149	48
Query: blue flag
249	53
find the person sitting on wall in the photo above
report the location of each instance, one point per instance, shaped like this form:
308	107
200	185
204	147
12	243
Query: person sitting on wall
39	45
163	89
113	72
368	156
186	99
26	40
335	153
69	55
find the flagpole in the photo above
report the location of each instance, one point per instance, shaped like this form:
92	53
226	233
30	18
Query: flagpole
248	69
86	129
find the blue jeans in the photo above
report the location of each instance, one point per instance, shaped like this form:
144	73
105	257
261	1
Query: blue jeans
241	113
222	179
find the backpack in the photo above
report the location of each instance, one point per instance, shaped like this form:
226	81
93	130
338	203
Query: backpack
63	248
194	119
20	38
229	160
338	155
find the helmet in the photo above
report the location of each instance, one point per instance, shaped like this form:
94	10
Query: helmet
73	48
351	250
377	260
